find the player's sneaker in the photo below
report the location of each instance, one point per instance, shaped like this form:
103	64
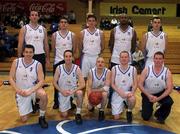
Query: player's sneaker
129	116
78	119
42	122
101	116
55	106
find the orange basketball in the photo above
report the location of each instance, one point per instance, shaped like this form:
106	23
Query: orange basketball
95	98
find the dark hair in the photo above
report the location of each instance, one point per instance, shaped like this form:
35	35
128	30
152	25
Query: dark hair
156	17
63	18
68	51
159	53
29	46
124	52
33	11
91	16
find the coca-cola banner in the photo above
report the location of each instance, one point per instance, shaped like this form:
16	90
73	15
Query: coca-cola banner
42	6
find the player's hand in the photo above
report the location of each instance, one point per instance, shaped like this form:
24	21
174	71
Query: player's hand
66	92
47	63
26	92
129	95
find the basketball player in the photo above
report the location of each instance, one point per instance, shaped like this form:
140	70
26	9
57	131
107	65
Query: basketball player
92	45
36	35
99	81
27	78
154	41
68	80
156	84
124	83
62	40
122	38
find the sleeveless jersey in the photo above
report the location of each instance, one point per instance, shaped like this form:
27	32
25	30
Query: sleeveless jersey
92	42
62	44
98	82
35	37
155	43
26	75
155	83
124	79
68	80
122	42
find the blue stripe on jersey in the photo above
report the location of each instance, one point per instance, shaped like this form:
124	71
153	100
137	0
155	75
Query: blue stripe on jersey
26	66
62	35
157	75
101	74
124	72
70	70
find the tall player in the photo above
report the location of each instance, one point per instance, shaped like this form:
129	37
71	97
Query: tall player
156	85
99	81
62	40
154	41
36	35
68	80
27	78
92	45
124	83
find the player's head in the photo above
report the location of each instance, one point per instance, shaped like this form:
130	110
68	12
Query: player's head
100	63
91	20
156	23
63	23
28	51
68	56
124	58
34	16
158	58
123	18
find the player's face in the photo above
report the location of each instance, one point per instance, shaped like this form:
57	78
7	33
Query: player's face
123	19
63	24
156	24
158	60
28	53
100	63
68	57
34	17
91	22
124	58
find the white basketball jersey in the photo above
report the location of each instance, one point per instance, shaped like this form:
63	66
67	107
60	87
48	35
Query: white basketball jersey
62	43
26	75
92	42
122	42
98	82
68	80
124	79
35	37
155	43
155	83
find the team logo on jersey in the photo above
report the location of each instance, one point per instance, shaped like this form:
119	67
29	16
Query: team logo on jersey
123	39
31	68
68	38
161	37
129	33
157	43
73	74
123	81
104	79
129	74
40	31
162	78
96	34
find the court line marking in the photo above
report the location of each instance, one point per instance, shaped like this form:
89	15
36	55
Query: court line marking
9	132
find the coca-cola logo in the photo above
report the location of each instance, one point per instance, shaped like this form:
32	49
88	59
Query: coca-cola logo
44	8
8	7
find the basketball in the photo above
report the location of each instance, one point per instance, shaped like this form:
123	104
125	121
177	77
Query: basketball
95	98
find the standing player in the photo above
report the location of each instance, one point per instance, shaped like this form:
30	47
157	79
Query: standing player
36	35
156	84
27	78
154	41
122	38
99	81
92	45
124	83
68	80
62	40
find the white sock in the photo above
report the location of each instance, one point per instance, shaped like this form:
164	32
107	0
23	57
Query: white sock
129	110
78	111
41	112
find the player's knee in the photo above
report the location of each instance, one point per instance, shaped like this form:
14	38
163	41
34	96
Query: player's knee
79	93
104	94
24	118
64	114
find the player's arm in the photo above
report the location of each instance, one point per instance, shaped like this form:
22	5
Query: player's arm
53	41
81	82
107	82
134	86
55	80
144	40
12	76
81	41
169	84
89	85
75	46
118	90
166	42
133	42
21	41
102	41
111	40
46	47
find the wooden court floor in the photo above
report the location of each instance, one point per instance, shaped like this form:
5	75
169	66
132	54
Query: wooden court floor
9	116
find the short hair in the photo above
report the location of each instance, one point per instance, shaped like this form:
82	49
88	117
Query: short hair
29	46
33	11
124	52
68	51
64	18
159	53
91	16
156	17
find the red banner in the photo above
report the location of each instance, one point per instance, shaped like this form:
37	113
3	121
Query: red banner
43	7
